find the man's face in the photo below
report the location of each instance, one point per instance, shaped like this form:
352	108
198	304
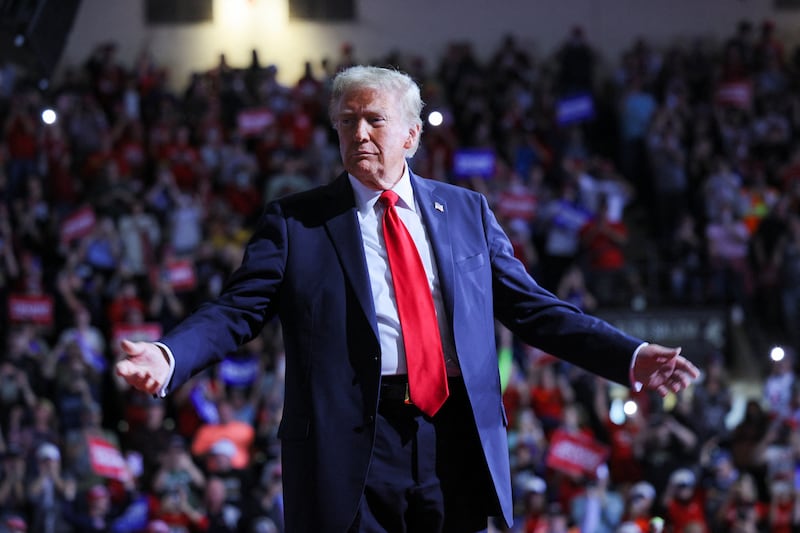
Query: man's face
374	136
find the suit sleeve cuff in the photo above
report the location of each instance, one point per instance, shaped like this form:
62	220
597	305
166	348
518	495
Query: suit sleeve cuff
635	385
171	360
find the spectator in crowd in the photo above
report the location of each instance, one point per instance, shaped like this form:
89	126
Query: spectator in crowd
610	276
572	288
13	483
50	491
639	505
712	401
683	502
223	517
600	508
562	219
178	471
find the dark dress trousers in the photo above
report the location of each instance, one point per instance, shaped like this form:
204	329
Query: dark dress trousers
305	263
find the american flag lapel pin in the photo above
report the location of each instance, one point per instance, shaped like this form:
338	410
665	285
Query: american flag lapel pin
439	207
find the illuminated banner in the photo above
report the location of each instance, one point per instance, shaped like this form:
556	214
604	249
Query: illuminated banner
575	453
35	309
77	225
106	459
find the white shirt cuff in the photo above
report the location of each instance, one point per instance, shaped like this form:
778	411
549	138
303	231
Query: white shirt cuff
171	360
636	385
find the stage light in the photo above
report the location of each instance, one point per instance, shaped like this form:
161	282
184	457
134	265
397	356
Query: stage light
630	408
777	353
49	116
19	40
435	118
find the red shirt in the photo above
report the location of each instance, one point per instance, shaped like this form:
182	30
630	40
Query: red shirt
603	251
681	514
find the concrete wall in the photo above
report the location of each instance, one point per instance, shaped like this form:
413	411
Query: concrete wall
419	27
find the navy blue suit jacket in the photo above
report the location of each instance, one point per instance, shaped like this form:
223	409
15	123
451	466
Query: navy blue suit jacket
305	263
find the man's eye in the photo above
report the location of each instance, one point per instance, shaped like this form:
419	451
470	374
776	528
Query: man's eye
377	120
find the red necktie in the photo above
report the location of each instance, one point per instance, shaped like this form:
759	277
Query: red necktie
427	375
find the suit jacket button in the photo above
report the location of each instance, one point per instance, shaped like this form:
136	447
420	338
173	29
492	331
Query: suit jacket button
370	419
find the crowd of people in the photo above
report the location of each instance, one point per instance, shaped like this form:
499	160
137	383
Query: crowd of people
133	206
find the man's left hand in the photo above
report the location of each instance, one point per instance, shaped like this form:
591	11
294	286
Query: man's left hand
663	369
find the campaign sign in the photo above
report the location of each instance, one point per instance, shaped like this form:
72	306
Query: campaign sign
575	453
146	331
574	109
237	371
181	275
254	121
106	459
28	308
736	94
471	162
78	224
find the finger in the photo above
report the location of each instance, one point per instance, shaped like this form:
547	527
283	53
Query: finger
686	367
125	368
132	348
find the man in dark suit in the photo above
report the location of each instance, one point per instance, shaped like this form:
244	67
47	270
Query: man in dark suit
369	441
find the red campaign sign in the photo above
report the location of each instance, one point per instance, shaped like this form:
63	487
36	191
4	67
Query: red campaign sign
107	460
36	309
181	275
148	331
736	94
78	224
254	121
575	454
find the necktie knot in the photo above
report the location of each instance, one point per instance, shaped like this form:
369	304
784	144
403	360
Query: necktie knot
389	198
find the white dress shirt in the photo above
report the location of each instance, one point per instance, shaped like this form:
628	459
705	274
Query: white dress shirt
370	218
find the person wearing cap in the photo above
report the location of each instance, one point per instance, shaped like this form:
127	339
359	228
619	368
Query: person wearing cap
220	464
534	499
684	504
381	413
239	434
95	515
50	491
639	505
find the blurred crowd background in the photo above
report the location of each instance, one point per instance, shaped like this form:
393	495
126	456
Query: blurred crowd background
671	181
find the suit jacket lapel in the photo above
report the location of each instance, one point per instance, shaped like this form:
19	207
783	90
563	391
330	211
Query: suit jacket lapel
433	208
345	233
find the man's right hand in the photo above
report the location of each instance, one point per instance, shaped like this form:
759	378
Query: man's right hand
145	367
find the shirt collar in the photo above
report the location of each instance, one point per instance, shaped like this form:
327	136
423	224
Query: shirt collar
366	197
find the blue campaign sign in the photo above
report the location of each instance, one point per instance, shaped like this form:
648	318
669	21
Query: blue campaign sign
471	162
574	108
